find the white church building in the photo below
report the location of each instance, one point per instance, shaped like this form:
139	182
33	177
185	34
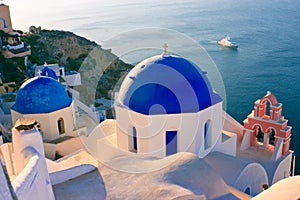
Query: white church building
47	101
167	105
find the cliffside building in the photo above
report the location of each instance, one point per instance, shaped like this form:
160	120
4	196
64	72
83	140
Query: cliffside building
71	78
46	100
10	41
165	108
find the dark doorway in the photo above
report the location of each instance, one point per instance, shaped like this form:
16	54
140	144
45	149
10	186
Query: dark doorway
132	141
247	191
171	142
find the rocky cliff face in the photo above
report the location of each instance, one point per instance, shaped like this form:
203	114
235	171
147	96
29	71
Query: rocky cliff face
100	69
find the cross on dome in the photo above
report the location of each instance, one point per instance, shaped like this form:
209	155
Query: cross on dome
165	46
39	72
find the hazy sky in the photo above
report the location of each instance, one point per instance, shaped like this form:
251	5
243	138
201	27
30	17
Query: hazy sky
37	12
45	12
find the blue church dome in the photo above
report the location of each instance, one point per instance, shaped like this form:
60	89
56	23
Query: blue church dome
166	85
41	95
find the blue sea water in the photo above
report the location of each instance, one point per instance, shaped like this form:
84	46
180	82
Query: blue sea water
268	32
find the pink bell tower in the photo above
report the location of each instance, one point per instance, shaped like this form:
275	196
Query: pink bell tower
269	119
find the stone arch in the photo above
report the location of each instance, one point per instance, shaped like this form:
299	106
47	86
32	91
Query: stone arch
266	102
259	133
255	125
271	131
270	97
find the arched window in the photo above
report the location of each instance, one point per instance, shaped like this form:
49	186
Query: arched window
4	22
259	134
61	126
247	191
272	136
207	134
268	108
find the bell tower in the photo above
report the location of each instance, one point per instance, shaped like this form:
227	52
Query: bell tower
267	118
5	20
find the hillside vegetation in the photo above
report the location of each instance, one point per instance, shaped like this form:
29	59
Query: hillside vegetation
100	69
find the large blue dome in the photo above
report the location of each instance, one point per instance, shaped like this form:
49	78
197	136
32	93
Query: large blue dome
166	85
41	95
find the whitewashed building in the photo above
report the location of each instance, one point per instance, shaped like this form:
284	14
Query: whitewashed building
46	100
72	78
167	105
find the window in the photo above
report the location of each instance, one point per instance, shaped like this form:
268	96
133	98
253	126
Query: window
247	191
268	108
61	126
207	134
171	142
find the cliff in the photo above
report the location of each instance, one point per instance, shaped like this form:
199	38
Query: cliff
100	69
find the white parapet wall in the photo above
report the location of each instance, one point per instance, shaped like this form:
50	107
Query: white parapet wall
7	150
4	189
283	169
231	125
70	173
33	182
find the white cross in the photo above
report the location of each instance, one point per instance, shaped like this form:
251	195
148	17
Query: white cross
39	72
165	46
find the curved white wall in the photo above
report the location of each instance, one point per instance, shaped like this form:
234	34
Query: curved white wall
32	178
283	169
33	182
252	176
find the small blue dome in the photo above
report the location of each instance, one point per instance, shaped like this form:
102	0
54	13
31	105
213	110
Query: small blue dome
49	72
166	85
41	95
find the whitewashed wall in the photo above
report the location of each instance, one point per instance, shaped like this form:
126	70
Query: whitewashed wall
33	183
252	176
151	130
48	121
283	169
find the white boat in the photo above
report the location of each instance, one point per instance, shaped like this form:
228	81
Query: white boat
227	42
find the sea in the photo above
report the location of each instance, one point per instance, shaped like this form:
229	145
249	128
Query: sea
268	32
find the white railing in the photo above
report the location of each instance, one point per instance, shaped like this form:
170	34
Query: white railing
16	47
94	115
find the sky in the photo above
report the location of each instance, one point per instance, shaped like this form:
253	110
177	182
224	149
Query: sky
46	12
35	12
